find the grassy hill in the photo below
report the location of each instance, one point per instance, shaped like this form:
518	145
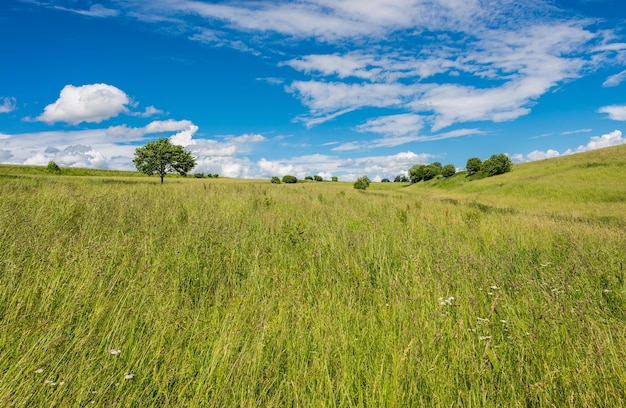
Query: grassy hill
507	291
587	186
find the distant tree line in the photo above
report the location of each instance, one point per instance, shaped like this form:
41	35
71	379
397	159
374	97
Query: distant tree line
289	179
496	164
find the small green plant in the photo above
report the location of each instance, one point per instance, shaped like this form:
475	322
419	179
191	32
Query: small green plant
362	183
53	167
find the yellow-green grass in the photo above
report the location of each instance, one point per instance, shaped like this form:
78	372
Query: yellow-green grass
218	292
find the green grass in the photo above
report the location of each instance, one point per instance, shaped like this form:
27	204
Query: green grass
223	292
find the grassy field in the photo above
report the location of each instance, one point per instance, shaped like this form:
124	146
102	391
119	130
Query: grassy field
507	291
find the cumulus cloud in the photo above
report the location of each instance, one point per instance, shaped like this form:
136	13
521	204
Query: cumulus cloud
613	138
615	112
88	103
348	169
71	156
7	104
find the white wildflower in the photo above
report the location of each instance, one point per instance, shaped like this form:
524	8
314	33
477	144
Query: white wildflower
482	320
115	352
39	370
446	302
484	337
494	287
128	376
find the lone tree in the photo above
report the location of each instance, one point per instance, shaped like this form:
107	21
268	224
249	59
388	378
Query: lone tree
162	157
362	183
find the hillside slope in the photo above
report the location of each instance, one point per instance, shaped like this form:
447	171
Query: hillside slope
590	185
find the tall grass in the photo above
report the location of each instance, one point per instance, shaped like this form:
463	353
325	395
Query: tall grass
214	292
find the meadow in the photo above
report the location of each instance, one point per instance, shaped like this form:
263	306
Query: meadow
506	291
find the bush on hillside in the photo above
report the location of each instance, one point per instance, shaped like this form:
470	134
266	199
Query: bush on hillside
473	166
362	183
275	180
290	179
448	170
497	164
53	167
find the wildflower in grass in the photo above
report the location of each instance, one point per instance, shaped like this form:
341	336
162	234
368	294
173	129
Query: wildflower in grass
39	370
482	320
484	338
606	290
446	302
494	287
128	376
115	352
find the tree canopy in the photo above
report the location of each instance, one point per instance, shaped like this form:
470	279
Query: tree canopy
163	157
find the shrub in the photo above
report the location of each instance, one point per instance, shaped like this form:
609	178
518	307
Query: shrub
53	167
473	166
290	179
497	164
275	180
362	183
199	175
385	180
318	178
448	170
335	178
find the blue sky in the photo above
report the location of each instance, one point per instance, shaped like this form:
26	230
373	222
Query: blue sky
330	87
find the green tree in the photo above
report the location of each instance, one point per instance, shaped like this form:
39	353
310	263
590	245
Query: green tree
335	178
290	179
473	166
448	170
431	171
416	173
385	180
497	164
318	178
308	178
275	180
397	179
162	157
362	183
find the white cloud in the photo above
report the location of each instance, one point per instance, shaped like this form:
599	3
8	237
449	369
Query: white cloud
351	168
396	125
96	10
247	138
613	138
88	103
615	112
615	80
7	104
